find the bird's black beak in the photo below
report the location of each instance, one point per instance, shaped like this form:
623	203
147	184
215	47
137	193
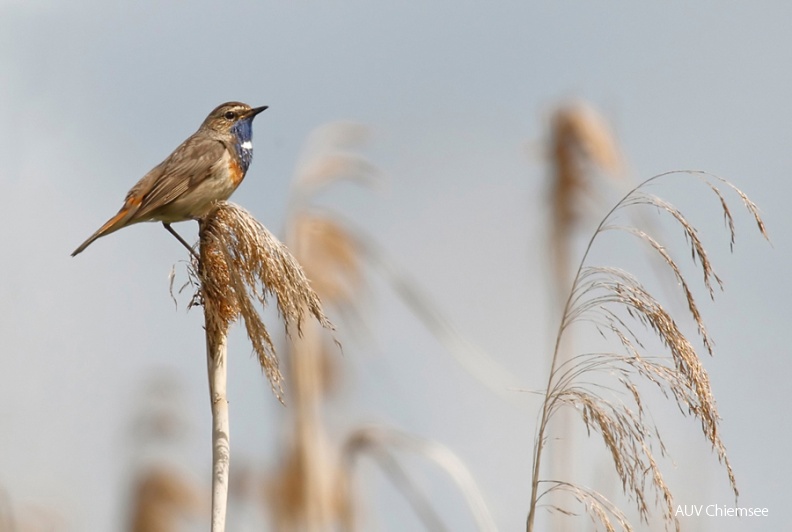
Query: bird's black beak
256	110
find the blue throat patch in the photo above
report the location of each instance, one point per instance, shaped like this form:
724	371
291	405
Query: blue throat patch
243	131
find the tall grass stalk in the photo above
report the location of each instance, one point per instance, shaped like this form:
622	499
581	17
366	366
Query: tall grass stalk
614	302
241	266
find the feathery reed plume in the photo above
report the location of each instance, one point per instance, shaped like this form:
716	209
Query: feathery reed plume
614	301
380	442
242	264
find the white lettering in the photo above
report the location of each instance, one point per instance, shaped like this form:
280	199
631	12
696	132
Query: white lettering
689	511
714	510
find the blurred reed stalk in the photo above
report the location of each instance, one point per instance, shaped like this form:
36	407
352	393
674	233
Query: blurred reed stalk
581	151
308	492
241	264
162	497
381	443
603	388
312	489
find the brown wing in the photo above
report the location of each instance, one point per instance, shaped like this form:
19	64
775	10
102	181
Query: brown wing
191	163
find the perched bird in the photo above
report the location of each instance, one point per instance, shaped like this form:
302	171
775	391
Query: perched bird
207	167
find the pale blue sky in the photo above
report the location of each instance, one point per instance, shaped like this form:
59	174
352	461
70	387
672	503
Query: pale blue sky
94	94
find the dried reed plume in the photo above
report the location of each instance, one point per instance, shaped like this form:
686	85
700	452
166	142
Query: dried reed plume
614	302
241	265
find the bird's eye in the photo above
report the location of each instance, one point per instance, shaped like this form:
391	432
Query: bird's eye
230	115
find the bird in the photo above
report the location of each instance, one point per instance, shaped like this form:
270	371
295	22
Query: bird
207	167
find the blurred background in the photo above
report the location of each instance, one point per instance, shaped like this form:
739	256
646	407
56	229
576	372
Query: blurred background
407	158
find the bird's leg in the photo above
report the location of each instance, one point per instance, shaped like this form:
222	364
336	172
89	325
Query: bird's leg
172	231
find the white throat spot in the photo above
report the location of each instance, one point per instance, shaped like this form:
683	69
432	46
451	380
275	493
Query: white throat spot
247	145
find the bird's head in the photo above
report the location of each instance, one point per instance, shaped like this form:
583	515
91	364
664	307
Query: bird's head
225	117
